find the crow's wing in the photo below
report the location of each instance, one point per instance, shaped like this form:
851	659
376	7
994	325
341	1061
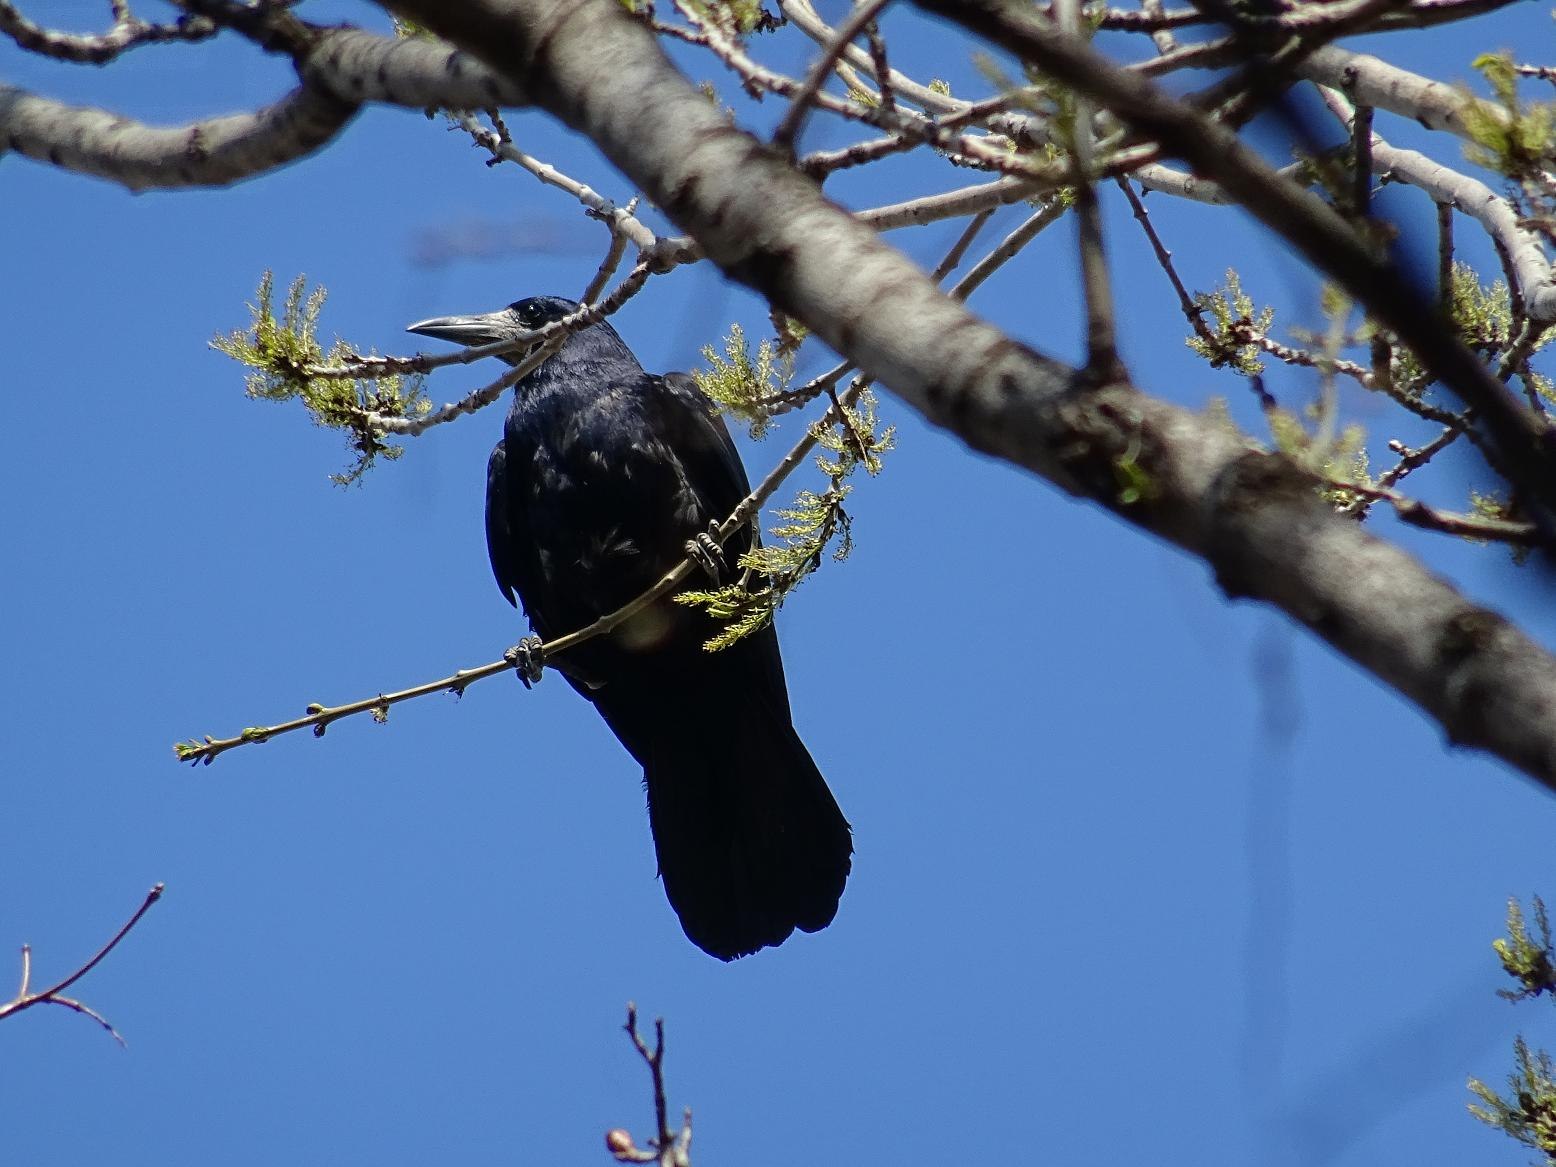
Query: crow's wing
508	543
593	493
701	439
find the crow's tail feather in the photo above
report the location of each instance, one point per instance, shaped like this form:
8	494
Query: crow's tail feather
751	843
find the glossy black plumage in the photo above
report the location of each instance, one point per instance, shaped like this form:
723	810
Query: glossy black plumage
603	474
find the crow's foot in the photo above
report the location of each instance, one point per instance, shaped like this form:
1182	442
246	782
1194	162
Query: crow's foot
708	554
528	659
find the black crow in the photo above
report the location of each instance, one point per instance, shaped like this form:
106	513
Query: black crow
603	475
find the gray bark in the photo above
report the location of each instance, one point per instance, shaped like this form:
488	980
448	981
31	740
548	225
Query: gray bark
215	152
342	69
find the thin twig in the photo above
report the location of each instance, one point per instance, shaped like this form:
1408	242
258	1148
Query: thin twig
877	44
1008	248
610	263
958	249
499	143
1412	460
55	994
1445	253
1191	311
1102	363
788	130
1418	514
915	132
670	1148
1242	332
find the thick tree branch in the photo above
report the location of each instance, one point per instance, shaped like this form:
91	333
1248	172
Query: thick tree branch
216	152
416	72
1371	81
340	68
1255	518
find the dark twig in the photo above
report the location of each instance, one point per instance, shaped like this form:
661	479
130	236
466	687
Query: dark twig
1445	254
1418	514
1409	462
55	994
1361	162
877	42
1191	311
906	132
1412	460
670	1148
1102	363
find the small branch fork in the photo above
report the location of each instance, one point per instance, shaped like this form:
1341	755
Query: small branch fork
127	32
55	994
667	1148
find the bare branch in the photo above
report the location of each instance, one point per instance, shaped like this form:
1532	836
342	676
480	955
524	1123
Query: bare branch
216	152
1375	82
1008	248
1418	514
55	994
340	69
500	145
127	33
670	1148
1191	311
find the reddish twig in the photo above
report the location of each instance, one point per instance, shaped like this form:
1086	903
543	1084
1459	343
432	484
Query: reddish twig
55	994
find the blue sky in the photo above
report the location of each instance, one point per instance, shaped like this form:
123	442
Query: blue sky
1140	871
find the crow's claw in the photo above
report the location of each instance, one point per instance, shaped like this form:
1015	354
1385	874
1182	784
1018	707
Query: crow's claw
709	556
528	659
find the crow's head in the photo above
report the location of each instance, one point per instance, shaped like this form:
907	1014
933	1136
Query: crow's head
520	317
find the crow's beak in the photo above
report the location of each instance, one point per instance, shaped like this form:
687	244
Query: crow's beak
466	330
